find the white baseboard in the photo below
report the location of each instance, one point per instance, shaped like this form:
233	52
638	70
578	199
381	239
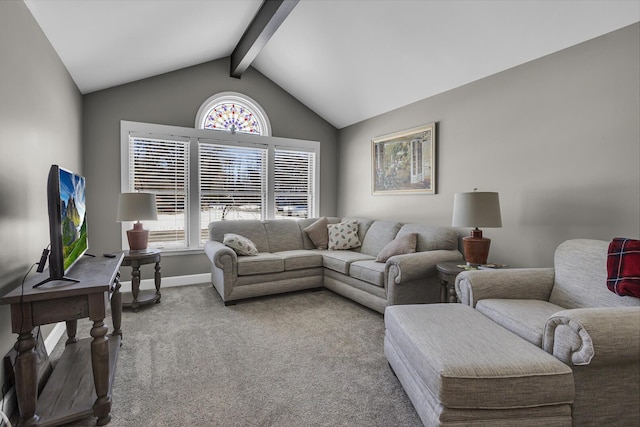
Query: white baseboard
169	282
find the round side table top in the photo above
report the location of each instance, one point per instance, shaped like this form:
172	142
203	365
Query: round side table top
141	254
450	267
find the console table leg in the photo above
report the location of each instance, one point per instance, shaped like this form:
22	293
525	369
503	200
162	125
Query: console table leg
116	309
72	329
135	286
26	369
100	366
158	278
443	291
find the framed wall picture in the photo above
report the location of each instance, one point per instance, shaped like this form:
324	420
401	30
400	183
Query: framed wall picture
404	162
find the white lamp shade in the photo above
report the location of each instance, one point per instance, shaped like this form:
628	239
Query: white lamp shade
476	209
137	207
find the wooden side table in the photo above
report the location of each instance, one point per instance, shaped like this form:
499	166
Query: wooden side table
448	272
135	259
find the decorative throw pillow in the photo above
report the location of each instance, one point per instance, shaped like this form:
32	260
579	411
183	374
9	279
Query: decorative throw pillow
623	267
318	233
241	245
343	235
398	246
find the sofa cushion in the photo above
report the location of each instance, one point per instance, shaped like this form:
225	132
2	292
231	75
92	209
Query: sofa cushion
400	245
251	229
260	264
368	271
581	276
283	235
341	260
525	318
431	237
466	360
299	259
363	227
318	233
379	234
343	235
305	222
241	245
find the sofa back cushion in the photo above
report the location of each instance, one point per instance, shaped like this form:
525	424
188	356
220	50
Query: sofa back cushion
378	235
251	229
283	235
431	237
581	276
305	222
363	227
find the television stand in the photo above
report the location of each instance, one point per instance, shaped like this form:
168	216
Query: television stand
55	279
80	385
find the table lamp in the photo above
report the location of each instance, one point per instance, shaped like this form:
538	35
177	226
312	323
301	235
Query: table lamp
476	209
137	207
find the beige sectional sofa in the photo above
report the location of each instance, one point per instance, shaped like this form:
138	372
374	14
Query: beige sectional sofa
288	260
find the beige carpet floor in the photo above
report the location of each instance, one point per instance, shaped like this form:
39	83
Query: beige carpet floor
299	359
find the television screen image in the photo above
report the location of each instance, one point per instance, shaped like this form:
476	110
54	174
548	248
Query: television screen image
73	216
67	222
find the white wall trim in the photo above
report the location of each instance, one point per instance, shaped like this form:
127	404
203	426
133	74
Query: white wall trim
169	282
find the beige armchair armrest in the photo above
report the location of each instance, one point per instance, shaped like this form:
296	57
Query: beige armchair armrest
408	267
594	336
517	283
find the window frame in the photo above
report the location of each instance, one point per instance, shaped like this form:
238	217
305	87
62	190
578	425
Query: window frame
238	98
192	222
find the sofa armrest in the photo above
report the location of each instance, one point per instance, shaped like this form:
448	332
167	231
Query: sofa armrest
517	283
408	267
221	256
594	336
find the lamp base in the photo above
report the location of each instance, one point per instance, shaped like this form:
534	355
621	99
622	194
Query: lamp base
138	237
476	248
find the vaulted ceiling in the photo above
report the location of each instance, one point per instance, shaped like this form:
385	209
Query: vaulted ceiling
347	60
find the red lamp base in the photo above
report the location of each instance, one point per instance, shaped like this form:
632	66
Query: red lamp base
138	237
476	248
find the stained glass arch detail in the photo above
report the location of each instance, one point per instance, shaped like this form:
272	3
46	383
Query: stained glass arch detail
233	112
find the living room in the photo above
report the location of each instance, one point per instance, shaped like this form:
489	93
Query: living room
557	137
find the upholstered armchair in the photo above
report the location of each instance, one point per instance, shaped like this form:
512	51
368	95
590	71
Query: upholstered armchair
569	312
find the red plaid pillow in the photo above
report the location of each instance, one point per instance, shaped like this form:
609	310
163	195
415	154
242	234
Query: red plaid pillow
623	267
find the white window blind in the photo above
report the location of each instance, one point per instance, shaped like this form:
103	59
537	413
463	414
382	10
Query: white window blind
161	166
294	192
233	183
200	176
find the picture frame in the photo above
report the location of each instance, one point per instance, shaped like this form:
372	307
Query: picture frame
404	162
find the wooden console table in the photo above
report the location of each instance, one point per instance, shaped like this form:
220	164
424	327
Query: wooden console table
80	385
135	260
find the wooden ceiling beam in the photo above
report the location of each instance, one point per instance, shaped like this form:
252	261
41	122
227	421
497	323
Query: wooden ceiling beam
271	14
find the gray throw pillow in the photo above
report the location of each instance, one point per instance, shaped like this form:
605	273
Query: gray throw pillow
398	246
318	233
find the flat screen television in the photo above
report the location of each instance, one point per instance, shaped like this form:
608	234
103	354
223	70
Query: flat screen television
67	222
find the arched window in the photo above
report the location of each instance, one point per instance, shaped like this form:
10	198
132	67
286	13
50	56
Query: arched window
233	112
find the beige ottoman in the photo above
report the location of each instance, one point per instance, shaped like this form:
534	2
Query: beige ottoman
461	369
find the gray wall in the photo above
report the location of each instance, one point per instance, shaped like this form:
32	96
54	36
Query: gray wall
558	138
40	119
174	99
